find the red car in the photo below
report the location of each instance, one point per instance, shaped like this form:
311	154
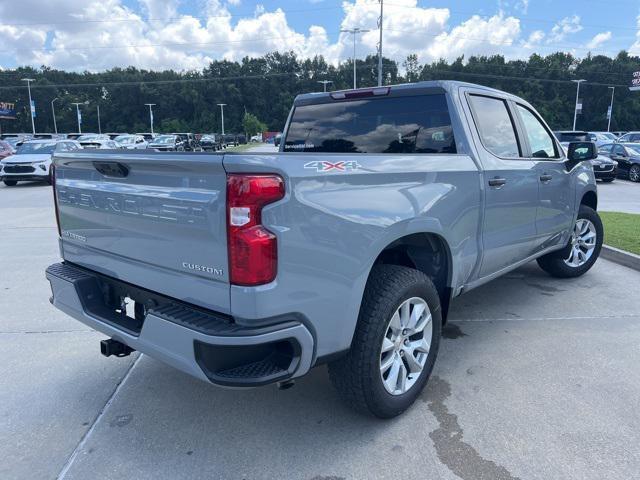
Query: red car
5	149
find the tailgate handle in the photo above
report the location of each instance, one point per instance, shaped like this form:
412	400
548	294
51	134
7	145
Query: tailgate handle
111	169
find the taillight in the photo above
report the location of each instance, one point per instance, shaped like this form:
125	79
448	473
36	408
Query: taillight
52	173
253	250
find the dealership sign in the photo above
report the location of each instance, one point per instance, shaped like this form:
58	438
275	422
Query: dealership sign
8	110
635	82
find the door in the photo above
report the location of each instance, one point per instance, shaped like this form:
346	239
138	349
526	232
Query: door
555	211
510	184
619	154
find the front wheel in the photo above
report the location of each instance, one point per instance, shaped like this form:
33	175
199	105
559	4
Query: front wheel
395	344
10	183
582	251
634	173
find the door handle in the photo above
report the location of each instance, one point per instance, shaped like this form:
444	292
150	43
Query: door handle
497	182
545	178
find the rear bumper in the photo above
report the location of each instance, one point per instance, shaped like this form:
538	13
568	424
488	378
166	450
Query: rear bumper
205	344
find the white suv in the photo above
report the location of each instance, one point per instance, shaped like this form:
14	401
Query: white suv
32	160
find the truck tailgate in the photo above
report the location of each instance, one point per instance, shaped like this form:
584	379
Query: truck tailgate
151	219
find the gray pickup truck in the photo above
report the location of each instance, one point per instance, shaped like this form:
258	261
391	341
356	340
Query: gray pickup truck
345	248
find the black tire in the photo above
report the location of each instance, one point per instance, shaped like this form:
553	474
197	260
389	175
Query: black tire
10	183
357	376
554	263
634	173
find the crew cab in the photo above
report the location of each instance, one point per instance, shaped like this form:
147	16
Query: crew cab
346	247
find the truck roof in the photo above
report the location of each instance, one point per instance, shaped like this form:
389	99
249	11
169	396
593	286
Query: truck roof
446	85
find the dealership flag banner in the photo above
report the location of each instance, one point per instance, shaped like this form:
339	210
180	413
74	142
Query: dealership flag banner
8	110
33	109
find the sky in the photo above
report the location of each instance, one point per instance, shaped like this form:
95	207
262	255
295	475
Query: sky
95	35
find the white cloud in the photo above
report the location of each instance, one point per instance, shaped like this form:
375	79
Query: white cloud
635	48
599	39
566	26
156	35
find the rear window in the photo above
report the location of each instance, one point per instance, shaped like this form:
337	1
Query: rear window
416	124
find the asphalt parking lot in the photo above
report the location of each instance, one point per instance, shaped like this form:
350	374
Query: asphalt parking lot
537	378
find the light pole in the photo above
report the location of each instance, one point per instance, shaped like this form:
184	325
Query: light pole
99	127
222	105
575	111
380	45
151	105
77	104
354	32
53	112
31	105
324	84
613	91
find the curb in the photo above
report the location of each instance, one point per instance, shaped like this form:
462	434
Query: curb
620	257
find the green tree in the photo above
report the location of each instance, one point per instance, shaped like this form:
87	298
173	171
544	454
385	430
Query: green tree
251	124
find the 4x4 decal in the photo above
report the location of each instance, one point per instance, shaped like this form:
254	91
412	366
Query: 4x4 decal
341	166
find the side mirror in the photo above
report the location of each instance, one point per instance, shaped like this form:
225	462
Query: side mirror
580	152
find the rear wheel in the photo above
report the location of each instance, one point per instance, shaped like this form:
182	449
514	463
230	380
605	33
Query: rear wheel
395	343
582	251
634	173
10	183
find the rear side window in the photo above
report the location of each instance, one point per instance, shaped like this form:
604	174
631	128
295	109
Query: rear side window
495	126
540	141
416	124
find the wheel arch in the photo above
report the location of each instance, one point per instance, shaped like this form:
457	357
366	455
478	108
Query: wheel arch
590	199
427	252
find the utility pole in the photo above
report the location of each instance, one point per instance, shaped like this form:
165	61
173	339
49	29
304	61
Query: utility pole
99	127
354	32
610	112
151	105
575	111
53	112
222	105
79	115
324	84
380	45
32	109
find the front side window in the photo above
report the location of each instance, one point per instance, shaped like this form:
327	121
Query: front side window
540	141
606	149
415	124
619	150
495	126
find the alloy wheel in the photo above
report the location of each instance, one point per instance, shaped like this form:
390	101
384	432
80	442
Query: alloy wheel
582	244
405	346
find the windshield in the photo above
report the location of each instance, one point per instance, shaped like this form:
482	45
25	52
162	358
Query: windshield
87	138
39	147
633	149
125	139
165	139
609	136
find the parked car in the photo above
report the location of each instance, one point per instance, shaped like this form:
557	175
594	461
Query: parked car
347	249
131	142
75	136
168	143
566	136
619	133
5	149
211	142
230	139
602	138
630	137
188	141
32	160
100	142
113	136
627	155
148	136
